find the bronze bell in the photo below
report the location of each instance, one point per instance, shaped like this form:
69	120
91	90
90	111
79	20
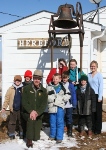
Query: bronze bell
65	19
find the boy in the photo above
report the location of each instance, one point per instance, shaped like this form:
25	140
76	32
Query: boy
86	105
27	81
62	66
57	97
72	103
13	100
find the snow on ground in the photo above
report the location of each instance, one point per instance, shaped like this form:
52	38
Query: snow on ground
103	126
43	143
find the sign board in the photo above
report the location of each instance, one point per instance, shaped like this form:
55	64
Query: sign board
37	43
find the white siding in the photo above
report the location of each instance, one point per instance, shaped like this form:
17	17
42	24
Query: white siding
103	65
17	61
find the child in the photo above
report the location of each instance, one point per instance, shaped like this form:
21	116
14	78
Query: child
72	103
62	66
13	100
57	97
27	77
86	105
27	81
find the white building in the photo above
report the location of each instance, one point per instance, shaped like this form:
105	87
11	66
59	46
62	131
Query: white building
19	55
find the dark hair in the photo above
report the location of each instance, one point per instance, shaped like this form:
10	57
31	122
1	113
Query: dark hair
65	74
73	60
62	59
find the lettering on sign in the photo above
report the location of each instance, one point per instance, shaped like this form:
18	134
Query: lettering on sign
35	43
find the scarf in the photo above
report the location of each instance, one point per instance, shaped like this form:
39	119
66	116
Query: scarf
83	88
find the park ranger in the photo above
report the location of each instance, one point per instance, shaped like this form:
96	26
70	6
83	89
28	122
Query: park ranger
34	102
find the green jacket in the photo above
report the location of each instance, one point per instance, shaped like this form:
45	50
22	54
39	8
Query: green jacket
34	100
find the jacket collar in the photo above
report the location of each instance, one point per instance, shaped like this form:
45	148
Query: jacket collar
15	86
40	88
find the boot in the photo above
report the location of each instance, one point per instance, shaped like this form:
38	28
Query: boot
21	137
29	143
69	130
65	129
89	133
81	128
12	137
81	133
58	141
50	138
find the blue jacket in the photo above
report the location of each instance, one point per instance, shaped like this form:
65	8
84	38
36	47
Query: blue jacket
17	99
73	99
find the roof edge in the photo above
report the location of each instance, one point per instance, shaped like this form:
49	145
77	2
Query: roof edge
93	10
26	17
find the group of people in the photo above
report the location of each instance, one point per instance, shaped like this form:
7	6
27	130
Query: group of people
27	101
67	88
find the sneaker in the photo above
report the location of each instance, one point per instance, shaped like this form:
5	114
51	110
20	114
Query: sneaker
50	138
58	141
89	133
12	137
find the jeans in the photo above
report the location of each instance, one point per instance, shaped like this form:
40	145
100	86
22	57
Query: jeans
68	115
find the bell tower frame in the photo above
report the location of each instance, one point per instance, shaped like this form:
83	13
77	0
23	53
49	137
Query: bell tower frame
70	22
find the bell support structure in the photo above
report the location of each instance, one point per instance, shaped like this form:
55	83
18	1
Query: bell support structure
69	22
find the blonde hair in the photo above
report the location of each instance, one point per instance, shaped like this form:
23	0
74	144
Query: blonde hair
57	75
94	62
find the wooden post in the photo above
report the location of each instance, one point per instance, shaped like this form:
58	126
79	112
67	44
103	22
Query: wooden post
81	58
81	37
51	56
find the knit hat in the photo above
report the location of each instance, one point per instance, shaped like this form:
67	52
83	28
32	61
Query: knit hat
28	73
17	77
84	77
38	73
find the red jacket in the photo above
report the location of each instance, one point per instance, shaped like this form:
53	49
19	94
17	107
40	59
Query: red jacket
53	71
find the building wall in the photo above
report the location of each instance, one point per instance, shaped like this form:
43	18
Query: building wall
103	66
99	46
17	61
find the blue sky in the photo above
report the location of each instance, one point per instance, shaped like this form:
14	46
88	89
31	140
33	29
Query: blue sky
23	8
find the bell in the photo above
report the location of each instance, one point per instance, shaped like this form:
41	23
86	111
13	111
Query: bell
65	19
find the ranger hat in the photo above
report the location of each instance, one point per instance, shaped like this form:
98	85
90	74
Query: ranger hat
38	73
17	78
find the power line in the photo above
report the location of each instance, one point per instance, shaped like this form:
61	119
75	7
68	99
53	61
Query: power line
9	14
90	15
